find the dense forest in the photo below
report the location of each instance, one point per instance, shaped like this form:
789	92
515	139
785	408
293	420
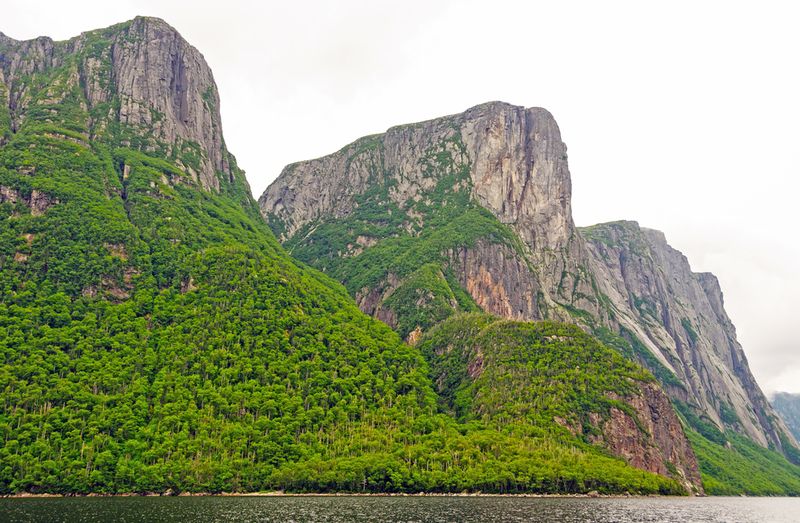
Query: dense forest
155	337
147	354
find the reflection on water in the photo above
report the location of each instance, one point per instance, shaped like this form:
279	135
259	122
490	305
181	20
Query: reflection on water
342	509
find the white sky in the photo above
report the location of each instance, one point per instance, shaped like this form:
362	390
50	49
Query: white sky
684	116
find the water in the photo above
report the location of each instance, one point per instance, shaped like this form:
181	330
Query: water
343	509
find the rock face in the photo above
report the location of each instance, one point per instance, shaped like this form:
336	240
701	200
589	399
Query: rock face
141	83
497	279
679	314
653	443
519	171
509	160
510	163
38	202
788	406
515	163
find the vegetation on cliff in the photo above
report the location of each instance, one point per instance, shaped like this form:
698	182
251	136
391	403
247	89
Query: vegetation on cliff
408	243
731	464
163	341
154	336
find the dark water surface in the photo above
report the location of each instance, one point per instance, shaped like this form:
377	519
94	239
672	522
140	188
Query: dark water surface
401	509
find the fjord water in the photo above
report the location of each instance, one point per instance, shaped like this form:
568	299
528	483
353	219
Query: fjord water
340	509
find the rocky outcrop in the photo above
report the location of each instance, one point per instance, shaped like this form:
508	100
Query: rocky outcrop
515	163
519	171
651	290
512	162
498	278
654	440
37	201
139	81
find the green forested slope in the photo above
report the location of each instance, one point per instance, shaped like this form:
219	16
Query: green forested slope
412	251
520	377
731	464
162	340
509	372
155	337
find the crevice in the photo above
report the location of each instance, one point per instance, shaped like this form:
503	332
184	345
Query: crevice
122	172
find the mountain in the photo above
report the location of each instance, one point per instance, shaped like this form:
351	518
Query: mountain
525	375
156	337
788	406
472	212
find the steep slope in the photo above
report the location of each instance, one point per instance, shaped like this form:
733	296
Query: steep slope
654	296
788	406
440	191
473	212
518	377
154	336
137	84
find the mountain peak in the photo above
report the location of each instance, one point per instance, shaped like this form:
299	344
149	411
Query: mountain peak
152	20
482	203
513	160
495	106
140	79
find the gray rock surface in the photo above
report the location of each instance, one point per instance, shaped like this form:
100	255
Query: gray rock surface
616	276
140	79
680	316
517	168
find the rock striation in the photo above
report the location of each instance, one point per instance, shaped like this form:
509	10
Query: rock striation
140	83
651	289
618	280
654	440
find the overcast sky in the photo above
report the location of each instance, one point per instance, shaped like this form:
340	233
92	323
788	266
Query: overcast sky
684	116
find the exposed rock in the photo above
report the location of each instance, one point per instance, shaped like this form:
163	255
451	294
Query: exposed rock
519	171
9	194
38	202
497	278
679	314
516	159
654	441
162	86
515	166
414	336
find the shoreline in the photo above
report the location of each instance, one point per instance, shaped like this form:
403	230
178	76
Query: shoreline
279	493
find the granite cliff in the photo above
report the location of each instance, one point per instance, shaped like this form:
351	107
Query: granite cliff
473	212
155	337
137	84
